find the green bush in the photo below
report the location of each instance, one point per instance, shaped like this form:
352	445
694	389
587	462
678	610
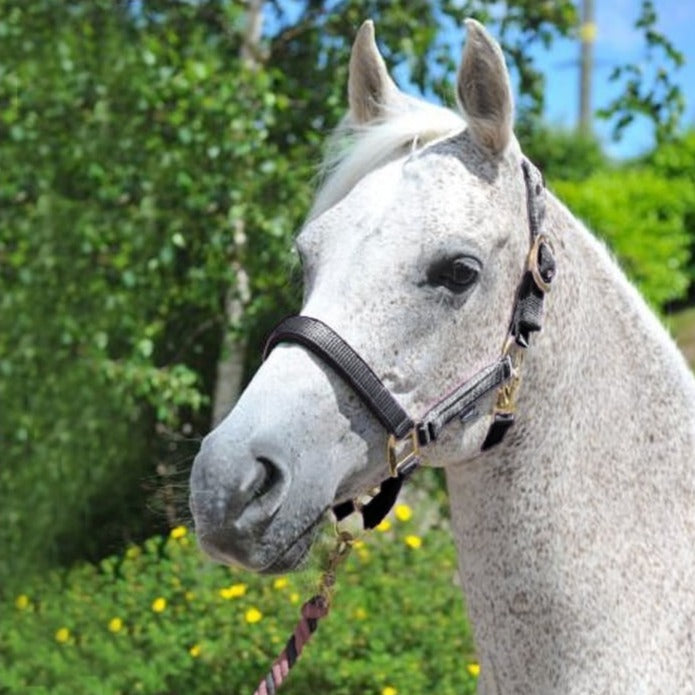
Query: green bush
160	619
675	159
641	215
561	154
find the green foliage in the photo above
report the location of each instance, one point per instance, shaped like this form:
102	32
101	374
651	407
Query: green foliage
159	619
675	159
642	217
561	154
135	158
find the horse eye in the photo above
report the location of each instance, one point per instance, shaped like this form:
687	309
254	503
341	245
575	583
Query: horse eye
456	274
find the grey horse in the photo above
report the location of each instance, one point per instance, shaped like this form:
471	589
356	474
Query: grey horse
576	534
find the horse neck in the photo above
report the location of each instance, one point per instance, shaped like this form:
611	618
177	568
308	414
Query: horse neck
605	397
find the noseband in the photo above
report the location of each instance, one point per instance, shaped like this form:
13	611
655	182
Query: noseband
408	436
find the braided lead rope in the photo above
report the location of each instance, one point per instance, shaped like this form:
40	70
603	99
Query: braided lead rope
312	611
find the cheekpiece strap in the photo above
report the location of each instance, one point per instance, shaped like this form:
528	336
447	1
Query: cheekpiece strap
527	316
528	309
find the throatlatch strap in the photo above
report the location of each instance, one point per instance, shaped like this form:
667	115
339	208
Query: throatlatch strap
332	349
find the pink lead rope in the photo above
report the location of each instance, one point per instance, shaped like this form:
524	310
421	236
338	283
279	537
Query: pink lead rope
313	610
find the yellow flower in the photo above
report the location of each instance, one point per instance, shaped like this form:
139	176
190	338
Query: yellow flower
115	625
62	635
385	525
132	552
233	591
159	604
280	583
363	554
178	532
389	690
361	614
294	597
252	615
403	512
473	669
413	542
357	544
21	602
194	651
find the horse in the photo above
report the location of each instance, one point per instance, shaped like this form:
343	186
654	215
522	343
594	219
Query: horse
575	531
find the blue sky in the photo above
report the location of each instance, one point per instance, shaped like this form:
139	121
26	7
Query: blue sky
618	42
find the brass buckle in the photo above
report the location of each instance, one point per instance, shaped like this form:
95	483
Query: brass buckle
506	395
532	262
397	461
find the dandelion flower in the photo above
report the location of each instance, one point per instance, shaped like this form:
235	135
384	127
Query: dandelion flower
403	512
280	583
294	597
178	532
413	542
233	591
159	604
115	625
194	651
473	669
21	602
389	690
360	614
385	525
252	615
62	635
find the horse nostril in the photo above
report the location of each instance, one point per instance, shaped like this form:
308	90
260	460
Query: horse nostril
269	476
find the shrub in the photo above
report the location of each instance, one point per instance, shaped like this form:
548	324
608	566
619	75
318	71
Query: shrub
641	215
159	619
562	154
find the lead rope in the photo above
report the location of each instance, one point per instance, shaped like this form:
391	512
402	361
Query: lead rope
312	611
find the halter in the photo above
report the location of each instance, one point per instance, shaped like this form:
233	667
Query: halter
407	436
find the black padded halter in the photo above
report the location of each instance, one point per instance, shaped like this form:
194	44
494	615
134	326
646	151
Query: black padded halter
462	402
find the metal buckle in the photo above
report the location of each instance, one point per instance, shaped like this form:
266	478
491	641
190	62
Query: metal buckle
399	463
532	262
506	395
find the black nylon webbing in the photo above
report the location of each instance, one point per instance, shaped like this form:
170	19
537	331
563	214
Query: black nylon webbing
332	349
459	402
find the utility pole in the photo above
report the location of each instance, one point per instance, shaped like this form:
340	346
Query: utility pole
587	35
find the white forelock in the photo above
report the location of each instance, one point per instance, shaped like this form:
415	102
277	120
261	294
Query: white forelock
353	151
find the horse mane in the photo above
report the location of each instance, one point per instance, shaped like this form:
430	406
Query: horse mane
354	150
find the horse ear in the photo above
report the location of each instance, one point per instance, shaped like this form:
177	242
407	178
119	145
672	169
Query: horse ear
484	91
370	88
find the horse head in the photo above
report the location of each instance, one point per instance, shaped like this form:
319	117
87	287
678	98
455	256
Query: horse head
413	253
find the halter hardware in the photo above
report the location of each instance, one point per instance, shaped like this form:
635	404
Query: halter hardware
406	460
406	436
540	243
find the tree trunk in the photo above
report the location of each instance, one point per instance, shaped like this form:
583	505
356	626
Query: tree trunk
230	365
